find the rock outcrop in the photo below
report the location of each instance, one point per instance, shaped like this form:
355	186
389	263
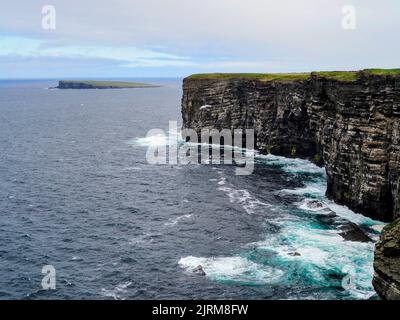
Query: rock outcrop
387	263
348	123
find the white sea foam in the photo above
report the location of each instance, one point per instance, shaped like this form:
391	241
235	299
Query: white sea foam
157	140
143	239
116	292
314	189
235	269
306	205
346	213
175	221
292	165
378	227
243	198
133	168
222	181
76	258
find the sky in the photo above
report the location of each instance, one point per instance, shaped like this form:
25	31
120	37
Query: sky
175	38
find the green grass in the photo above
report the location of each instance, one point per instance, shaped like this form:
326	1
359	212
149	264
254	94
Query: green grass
383	72
256	76
108	84
344	76
338	75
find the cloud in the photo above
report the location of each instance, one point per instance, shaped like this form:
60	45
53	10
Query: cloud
224	35
128	56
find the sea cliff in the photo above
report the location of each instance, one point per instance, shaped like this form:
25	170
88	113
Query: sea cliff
347	121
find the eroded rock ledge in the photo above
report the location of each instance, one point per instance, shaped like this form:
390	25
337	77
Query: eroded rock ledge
348	122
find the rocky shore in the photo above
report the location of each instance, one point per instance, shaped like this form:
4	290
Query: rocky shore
347	121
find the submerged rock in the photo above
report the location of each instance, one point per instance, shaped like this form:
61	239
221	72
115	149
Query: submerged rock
386	279
348	230
315	204
352	232
199	270
238	164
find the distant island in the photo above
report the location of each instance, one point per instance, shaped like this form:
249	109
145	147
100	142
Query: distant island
89	84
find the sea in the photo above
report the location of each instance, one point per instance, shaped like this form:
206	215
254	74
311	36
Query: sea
78	196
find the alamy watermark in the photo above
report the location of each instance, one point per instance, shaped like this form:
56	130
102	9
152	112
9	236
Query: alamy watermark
49	279
49	17
348	281
349	19
209	146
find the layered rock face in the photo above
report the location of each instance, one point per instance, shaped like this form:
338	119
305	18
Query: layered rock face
350	127
387	263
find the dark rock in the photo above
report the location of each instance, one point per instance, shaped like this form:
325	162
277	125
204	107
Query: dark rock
294	254
352	232
387	263
315	204
237	164
199	270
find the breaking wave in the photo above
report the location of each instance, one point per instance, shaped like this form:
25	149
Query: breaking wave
304	254
236	269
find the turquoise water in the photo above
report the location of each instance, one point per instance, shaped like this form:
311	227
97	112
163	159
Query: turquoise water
325	260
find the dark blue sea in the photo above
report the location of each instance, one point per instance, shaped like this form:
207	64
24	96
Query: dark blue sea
77	193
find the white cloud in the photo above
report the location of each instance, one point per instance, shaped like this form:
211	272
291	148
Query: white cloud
253	35
127	56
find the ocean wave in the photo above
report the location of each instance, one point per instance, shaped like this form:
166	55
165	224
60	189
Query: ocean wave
157	140
144	239
318	256
174	221
234	269
241	197
317	190
292	165
244	199
172	138
116	292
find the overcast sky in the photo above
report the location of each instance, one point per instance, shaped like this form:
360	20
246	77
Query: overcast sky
150	38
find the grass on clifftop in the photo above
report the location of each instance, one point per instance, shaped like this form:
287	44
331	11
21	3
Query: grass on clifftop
338	75
256	76
334	75
383	72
